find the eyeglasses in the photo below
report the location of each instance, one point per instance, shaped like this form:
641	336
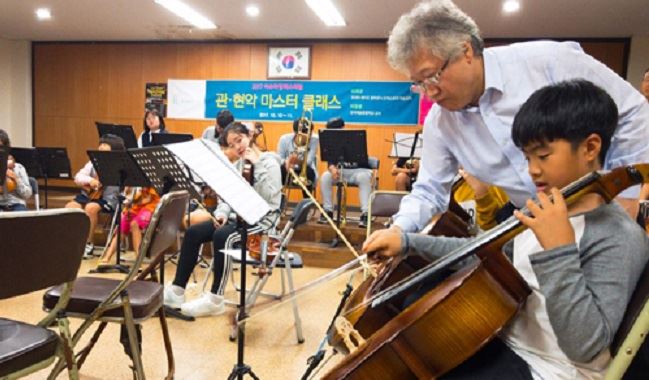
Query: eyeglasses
432	80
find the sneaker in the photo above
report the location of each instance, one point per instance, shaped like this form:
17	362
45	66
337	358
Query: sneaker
172	299
88	251
207	305
362	221
322	219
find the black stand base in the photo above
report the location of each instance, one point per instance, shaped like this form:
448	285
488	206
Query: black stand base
171	312
240	370
113	268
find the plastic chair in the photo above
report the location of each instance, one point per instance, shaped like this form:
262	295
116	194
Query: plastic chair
383	203
132	300
24	347
632	331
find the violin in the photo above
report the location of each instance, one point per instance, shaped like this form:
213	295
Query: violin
10	179
254	247
94	194
452	321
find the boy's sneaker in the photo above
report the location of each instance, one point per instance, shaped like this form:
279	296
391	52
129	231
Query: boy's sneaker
362	221
88	251
208	304
323	220
172	299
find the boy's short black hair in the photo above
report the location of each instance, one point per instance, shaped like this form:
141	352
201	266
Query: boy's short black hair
4	138
570	110
224	118
115	142
335	123
234	127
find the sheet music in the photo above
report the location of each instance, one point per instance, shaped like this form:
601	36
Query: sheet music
206	159
402	144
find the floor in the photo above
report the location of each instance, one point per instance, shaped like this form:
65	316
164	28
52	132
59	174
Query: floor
201	348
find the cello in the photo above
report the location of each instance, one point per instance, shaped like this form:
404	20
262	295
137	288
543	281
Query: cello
451	322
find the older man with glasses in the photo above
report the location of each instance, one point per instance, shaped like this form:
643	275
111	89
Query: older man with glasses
477	93
644	85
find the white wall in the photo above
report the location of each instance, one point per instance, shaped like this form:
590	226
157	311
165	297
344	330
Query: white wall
638	60
16	91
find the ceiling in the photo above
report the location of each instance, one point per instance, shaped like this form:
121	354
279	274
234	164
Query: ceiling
141	20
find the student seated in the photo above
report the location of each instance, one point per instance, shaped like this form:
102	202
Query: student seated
93	197
291	147
153	123
223	119
404	172
135	218
16	190
352	173
223	226
581	263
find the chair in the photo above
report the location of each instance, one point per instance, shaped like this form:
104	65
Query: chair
632	331
383	204
37	199
26	348
284	260
132	300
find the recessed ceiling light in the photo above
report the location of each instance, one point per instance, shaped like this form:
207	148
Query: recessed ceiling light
43	14
188	13
252	10
511	6
327	12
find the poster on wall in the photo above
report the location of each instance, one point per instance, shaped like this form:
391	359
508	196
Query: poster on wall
357	102
156	97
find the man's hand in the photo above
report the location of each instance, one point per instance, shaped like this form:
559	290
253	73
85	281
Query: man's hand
550	221
384	243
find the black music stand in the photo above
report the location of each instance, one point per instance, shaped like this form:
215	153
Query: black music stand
55	164
123	131
170	138
117	168
343	146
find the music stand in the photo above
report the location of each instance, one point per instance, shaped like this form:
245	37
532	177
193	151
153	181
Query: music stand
170	138
403	144
123	131
219	174
340	146
55	164
117	168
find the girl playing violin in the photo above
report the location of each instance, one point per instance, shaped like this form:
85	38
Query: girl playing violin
136	217
16	190
222	228
94	197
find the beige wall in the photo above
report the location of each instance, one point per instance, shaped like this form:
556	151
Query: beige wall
638	60
16	91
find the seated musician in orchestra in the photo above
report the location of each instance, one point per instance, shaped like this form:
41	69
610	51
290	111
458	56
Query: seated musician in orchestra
352	173
93	197
153	123
267	183
16	190
223	119
581	262
136	216
405	172
292	146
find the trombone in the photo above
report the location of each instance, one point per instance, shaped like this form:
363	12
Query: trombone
302	141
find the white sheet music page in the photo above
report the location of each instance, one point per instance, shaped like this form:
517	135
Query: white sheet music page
209	163
402	144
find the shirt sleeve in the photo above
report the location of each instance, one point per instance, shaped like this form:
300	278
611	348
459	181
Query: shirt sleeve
430	194
23	189
84	176
628	145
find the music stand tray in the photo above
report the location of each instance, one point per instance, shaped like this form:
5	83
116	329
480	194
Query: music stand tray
55	162
170	138
123	131
117	168
28	157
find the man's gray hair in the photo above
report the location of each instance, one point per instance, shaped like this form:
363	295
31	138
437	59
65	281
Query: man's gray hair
438	25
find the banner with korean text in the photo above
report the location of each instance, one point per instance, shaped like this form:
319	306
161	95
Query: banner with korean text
355	102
